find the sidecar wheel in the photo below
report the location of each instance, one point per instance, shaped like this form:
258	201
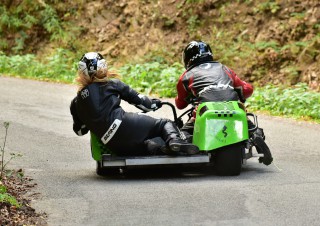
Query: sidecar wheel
106	171
228	160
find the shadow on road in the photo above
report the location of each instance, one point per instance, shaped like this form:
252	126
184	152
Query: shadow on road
181	172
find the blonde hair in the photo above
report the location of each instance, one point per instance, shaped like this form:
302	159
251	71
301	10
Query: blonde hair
102	75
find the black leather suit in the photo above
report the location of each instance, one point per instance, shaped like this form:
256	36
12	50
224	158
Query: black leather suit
97	108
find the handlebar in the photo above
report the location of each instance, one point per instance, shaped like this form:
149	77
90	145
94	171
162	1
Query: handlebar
255	121
174	111
178	120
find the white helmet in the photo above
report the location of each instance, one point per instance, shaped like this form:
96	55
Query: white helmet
91	62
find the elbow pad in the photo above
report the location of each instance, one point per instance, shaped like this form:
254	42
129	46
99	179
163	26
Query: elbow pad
80	131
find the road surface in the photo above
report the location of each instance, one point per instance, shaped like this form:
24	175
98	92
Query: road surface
72	194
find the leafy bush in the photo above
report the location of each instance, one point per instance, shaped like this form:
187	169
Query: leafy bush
22	20
298	101
149	78
153	78
55	68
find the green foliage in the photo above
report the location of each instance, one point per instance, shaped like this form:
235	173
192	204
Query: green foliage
261	46
5	197
20	41
298	101
232	51
193	23
298	15
51	22
194	1
153	78
156	78
268	6
58	67
295	47
20	19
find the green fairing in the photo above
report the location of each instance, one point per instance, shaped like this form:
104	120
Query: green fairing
98	148
219	124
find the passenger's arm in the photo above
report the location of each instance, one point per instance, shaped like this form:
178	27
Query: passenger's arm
78	127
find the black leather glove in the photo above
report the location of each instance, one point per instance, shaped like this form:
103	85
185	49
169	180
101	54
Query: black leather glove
155	104
148	104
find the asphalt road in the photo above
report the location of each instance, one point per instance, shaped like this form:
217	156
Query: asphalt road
72	194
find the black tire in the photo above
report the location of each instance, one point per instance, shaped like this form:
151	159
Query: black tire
263	148
228	160
106	171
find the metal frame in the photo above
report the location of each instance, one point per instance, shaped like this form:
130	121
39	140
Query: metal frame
112	161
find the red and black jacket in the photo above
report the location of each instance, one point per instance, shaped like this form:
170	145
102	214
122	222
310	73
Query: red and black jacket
211	81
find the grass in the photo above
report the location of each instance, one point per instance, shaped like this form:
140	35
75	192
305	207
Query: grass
298	101
153	78
53	68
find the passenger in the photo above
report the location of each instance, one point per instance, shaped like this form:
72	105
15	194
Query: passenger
96	108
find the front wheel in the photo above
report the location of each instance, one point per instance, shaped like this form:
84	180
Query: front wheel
228	160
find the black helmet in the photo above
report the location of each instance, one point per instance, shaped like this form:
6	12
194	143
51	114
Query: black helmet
91	62
196	52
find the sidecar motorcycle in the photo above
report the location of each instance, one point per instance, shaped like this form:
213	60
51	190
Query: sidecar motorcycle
220	131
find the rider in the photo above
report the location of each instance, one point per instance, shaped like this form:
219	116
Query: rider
208	80
97	108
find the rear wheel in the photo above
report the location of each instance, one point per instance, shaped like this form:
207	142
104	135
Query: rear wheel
228	160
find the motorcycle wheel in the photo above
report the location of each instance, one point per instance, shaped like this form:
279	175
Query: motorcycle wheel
228	160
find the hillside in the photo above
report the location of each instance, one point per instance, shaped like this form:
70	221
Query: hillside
268	41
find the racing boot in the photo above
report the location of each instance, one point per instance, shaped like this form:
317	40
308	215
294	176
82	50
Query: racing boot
172	137
187	136
154	146
179	145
